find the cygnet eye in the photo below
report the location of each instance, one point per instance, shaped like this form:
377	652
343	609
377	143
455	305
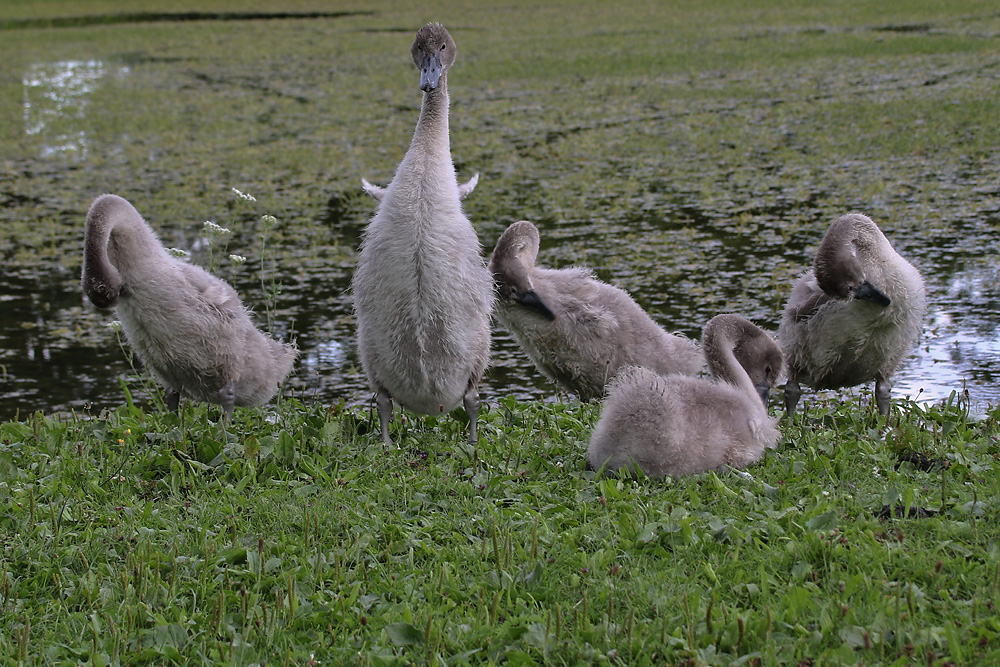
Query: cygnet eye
443	46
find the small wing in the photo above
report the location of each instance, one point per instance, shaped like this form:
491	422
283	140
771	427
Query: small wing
376	192
465	189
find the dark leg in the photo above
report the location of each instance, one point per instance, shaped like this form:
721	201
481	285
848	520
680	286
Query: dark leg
227	397
792	393
883	390
172	399
472	409
383	402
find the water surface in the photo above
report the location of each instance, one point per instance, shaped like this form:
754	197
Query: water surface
698	188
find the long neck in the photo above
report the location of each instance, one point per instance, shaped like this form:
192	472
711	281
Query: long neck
722	363
430	138
101	280
117	243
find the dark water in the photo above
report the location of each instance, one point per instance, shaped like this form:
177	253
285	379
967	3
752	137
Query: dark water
685	251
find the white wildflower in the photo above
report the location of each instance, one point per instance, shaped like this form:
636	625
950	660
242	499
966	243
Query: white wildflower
269	221
114	325
177	252
245	196
237	259
213	229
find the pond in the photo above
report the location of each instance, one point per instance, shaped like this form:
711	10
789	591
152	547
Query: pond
699	184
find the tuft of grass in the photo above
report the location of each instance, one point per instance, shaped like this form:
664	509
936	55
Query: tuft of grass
292	536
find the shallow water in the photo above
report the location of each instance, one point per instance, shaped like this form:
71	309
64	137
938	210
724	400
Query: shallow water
724	222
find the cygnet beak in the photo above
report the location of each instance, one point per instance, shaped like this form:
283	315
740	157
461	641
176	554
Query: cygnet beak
430	72
869	292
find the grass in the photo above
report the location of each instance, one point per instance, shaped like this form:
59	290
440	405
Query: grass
290	536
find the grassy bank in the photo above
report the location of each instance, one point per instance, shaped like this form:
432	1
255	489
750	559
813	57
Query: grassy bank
291	535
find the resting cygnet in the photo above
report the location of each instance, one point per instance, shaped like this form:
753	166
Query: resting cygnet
853	317
187	327
422	294
578	330
678	425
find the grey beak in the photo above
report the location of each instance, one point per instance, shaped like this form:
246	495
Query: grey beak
532	301
430	72
869	292
764	391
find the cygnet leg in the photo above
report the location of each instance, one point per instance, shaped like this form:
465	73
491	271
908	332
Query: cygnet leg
383	403
883	397
471	401
743	474
792	393
172	399
227	397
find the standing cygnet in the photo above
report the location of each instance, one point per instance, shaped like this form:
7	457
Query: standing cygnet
186	326
854	316
678	425
578	330
422	295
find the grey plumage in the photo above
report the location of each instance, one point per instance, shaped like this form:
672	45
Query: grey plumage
377	192
854	316
187	326
422	294
578	330
679	425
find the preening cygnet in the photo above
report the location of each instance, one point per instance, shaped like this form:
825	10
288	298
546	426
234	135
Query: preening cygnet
422	294
679	425
578	330
187	326
854	316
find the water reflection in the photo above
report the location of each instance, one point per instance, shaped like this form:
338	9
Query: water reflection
960	347
55	101
69	359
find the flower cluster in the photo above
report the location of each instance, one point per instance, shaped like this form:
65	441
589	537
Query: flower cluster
245	196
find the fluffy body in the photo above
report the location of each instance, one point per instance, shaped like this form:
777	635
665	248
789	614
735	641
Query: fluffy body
188	327
855	316
679	425
578	330
422	294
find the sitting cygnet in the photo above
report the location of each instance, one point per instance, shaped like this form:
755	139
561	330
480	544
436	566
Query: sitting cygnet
678	425
854	316
578	330
187	327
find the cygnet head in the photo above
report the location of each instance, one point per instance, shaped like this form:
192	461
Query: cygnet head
511	265
433	53
102	283
758	354
838	269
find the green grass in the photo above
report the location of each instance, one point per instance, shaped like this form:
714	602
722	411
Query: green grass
150	538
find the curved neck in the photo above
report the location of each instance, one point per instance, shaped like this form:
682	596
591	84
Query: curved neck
722	362
116	243
101	280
